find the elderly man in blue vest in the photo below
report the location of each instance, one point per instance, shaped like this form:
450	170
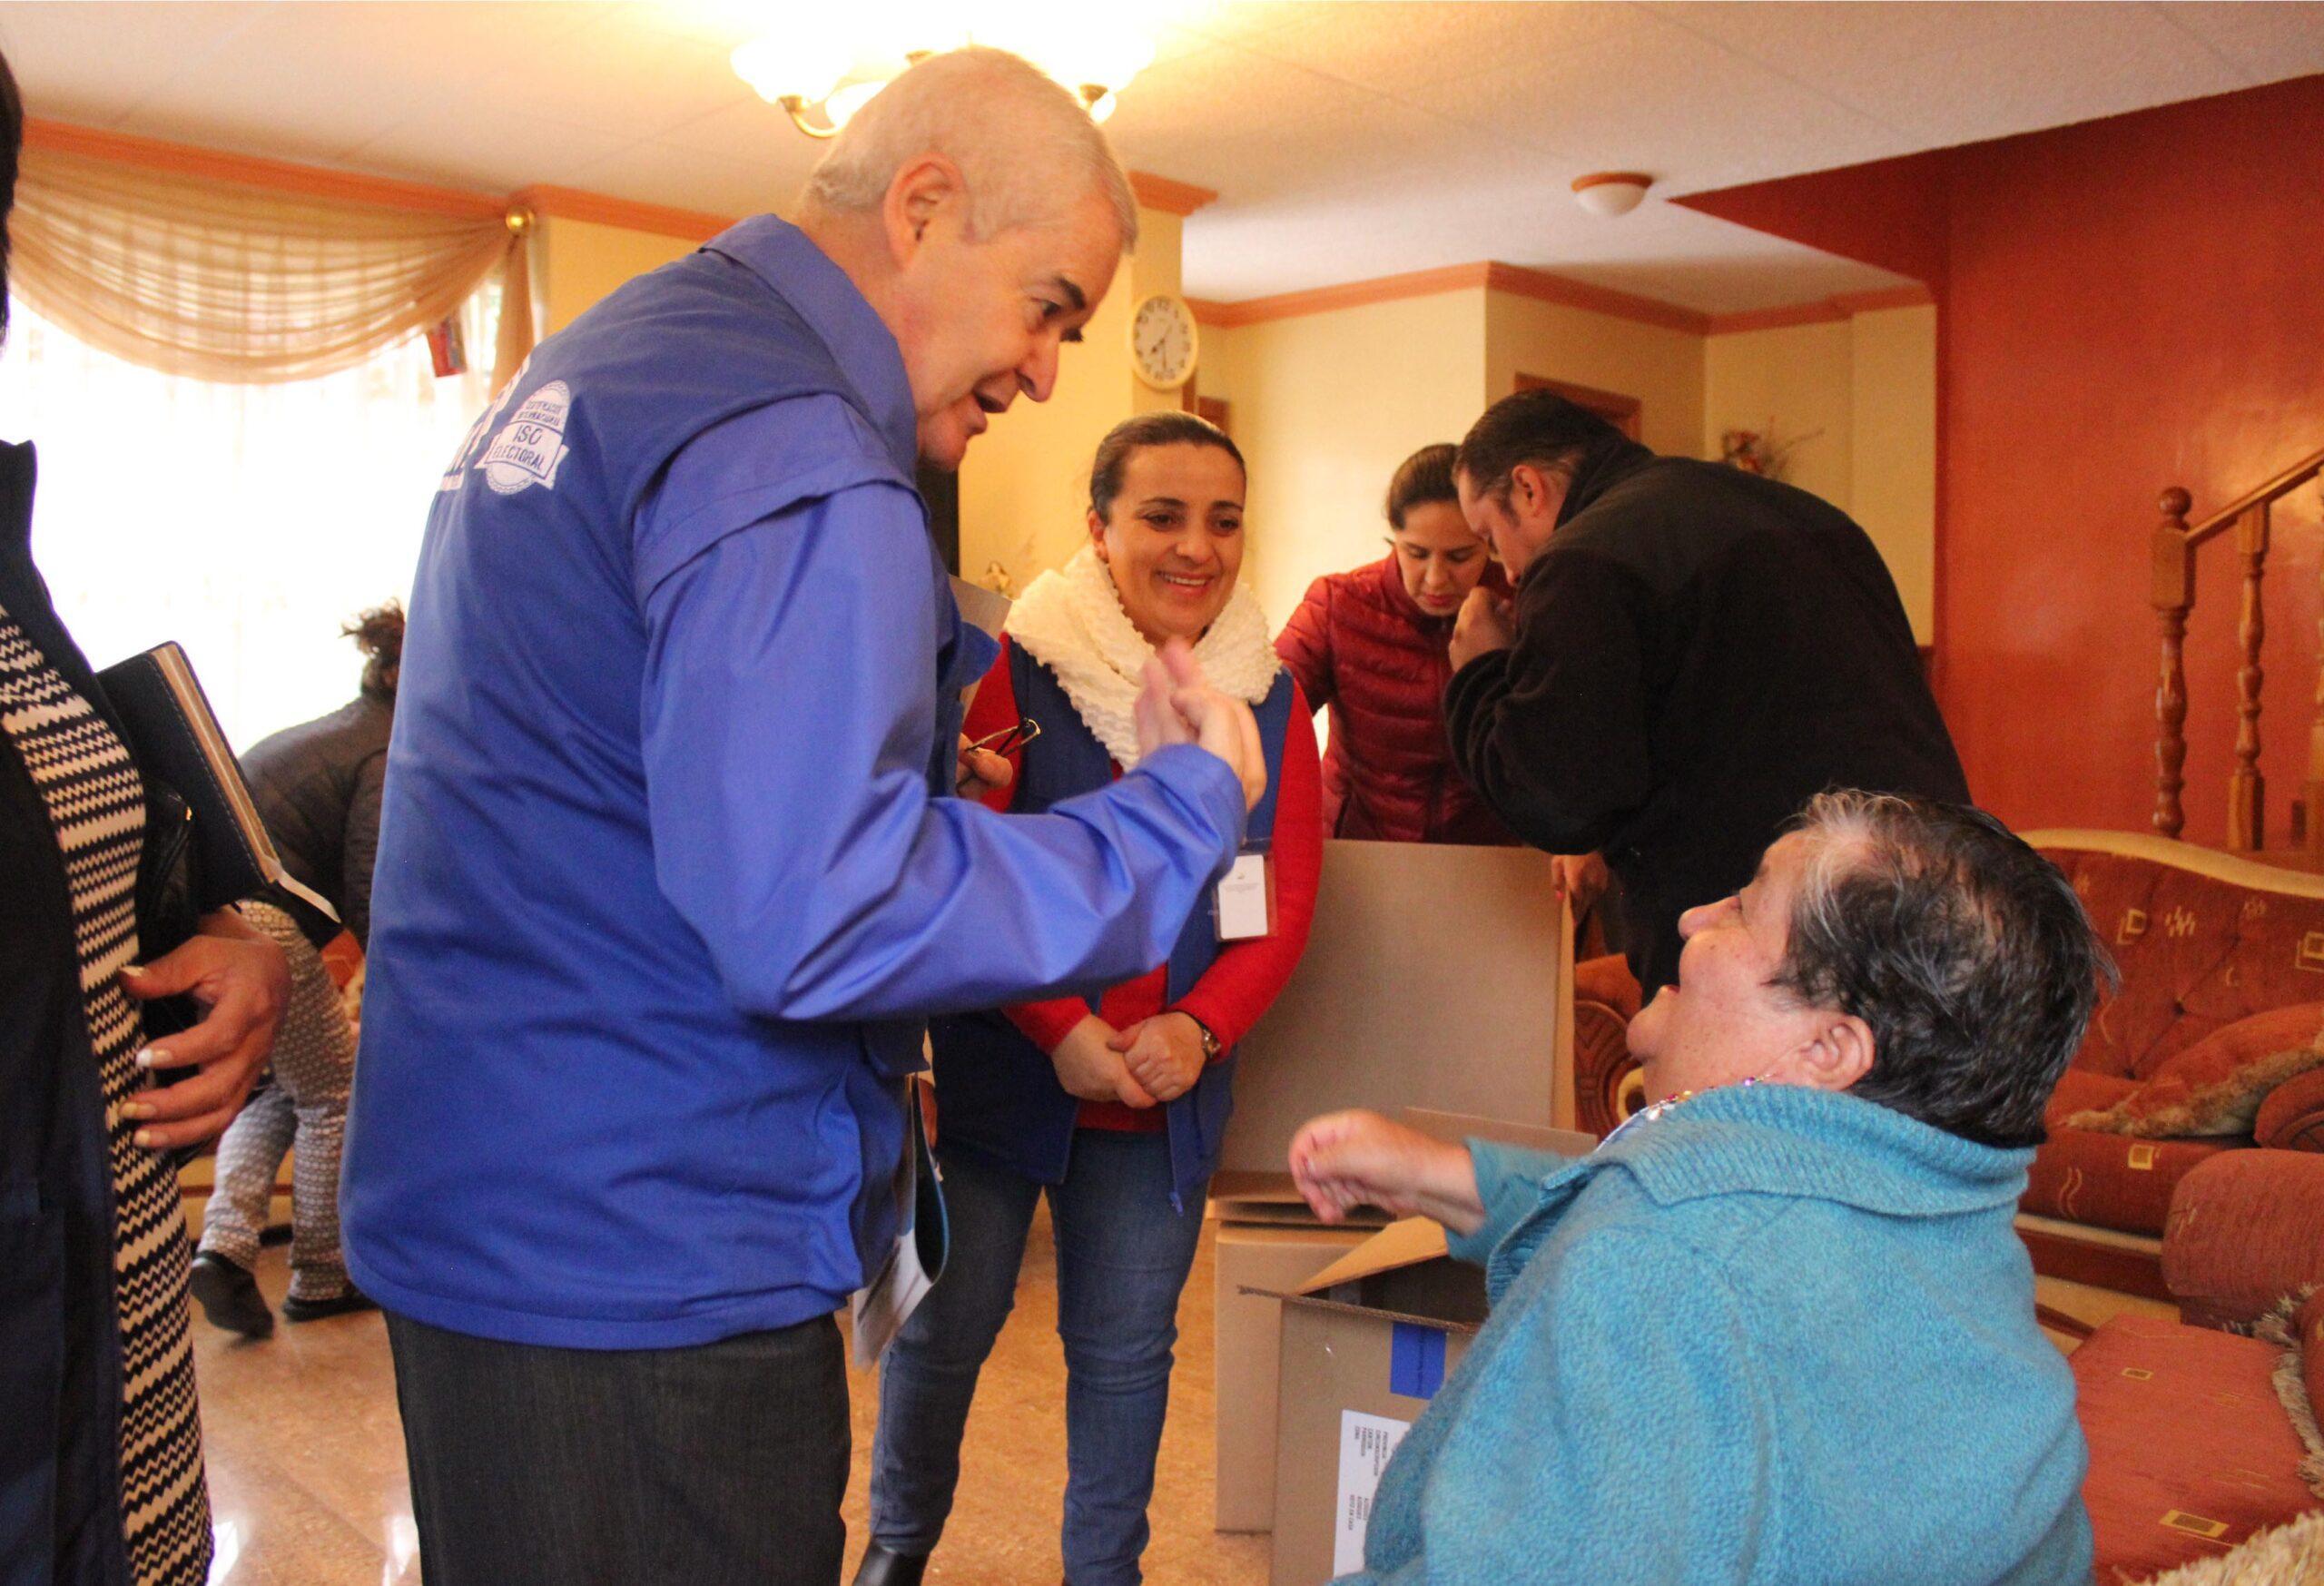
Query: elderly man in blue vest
667	882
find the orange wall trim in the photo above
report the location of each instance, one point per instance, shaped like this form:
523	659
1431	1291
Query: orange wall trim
1322	300
1172	198
1824	311
1546	288
250	171
1487	274
573	203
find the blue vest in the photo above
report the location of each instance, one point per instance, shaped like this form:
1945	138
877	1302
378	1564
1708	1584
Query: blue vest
996	1091
521	938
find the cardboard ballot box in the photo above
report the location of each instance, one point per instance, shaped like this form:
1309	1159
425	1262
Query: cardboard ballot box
1360	1347
1366	1343
1268	1245
1435	977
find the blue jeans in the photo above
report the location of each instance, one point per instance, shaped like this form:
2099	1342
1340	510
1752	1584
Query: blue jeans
1122	1257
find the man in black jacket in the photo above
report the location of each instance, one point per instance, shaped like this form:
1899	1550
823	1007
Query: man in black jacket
1693	652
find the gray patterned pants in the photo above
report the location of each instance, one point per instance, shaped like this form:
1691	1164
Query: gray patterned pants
303	1097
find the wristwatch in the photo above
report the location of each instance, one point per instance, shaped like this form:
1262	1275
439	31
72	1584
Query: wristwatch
1210	1047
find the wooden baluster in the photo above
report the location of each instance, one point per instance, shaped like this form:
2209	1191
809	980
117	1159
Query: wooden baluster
2315	789
2246	790
2173	592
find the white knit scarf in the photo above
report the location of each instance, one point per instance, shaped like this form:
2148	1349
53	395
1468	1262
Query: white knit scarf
1071	621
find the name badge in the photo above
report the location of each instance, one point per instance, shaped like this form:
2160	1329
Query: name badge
1246	903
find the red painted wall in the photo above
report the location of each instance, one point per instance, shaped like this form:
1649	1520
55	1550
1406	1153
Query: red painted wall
2123	305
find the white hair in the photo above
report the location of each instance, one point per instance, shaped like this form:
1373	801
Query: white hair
1026	147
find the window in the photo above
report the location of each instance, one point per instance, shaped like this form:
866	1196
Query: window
246	522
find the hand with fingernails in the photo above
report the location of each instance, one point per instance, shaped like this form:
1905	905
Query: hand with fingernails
1346	1160
1163	1054
1177	705
242	983
1090	1067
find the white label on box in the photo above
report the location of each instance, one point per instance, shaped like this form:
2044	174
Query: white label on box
1366	1441
1243	899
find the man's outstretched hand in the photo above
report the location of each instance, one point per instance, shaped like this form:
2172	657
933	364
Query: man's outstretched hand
1177	705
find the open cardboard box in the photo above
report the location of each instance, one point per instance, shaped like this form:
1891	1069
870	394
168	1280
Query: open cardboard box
1363	1344
1435	977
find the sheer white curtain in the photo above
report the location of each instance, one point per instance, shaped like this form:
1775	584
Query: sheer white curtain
247	522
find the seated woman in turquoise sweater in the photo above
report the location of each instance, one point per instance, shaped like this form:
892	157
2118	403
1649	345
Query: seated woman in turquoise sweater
1778	1327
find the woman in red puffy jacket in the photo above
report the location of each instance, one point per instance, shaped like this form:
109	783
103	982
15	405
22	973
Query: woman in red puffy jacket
1371	644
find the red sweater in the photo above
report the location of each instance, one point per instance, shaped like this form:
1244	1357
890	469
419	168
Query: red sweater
1359	645
1242	982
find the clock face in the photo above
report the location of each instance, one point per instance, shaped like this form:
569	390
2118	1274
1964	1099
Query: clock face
1162	342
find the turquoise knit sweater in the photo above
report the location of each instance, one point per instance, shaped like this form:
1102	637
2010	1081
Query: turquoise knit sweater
1776	1336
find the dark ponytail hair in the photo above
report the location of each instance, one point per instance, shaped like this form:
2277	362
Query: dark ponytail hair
379	633
1421	479
1165	429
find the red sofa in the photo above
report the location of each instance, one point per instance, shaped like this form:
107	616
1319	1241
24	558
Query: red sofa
2192	1446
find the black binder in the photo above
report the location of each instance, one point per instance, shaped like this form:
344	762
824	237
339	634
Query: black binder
175	739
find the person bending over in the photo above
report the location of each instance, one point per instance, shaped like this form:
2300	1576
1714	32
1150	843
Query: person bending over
1778	1327
1692	653
1113	1105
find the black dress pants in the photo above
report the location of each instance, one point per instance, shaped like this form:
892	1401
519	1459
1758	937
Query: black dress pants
723	1465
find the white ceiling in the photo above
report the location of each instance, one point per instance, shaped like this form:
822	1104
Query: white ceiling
1346	140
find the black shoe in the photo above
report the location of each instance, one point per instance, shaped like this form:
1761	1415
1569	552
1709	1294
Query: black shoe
882	1568
295	1309
230	1297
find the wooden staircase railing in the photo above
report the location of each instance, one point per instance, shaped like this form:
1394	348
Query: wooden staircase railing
2175	543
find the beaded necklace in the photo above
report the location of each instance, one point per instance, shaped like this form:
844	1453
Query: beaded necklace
1649	1113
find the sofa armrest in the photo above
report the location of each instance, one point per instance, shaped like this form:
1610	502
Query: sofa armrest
2246	1228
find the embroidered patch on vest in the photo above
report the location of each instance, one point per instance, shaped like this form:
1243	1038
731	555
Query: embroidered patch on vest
531	444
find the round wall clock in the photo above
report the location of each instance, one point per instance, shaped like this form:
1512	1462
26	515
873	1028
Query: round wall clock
1163	341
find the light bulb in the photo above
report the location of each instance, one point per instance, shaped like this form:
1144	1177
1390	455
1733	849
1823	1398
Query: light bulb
800	65
843	103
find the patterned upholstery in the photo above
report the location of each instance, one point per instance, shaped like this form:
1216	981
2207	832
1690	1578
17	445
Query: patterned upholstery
2246	1229
2197	951
2202	941
1605	1076
2189	1450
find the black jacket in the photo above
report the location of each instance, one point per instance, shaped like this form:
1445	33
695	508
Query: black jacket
1699	651
318	787
60	1345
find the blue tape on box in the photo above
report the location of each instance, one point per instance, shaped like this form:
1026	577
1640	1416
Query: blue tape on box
1415	1360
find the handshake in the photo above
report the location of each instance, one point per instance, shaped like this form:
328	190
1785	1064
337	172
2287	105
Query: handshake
1177	706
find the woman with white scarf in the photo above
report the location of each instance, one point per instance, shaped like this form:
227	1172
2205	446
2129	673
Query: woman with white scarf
1114	1102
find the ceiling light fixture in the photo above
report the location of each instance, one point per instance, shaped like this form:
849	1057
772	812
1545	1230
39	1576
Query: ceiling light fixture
1608	193
823	74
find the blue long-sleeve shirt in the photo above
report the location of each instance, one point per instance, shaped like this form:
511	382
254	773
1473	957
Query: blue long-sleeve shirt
667	876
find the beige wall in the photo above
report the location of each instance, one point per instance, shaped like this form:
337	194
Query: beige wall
1023	488
1859	396
1662	368
1795	385
1892	489
1325	406
576	263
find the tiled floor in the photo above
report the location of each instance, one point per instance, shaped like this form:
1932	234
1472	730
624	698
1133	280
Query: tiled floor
306	1451
306	1455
